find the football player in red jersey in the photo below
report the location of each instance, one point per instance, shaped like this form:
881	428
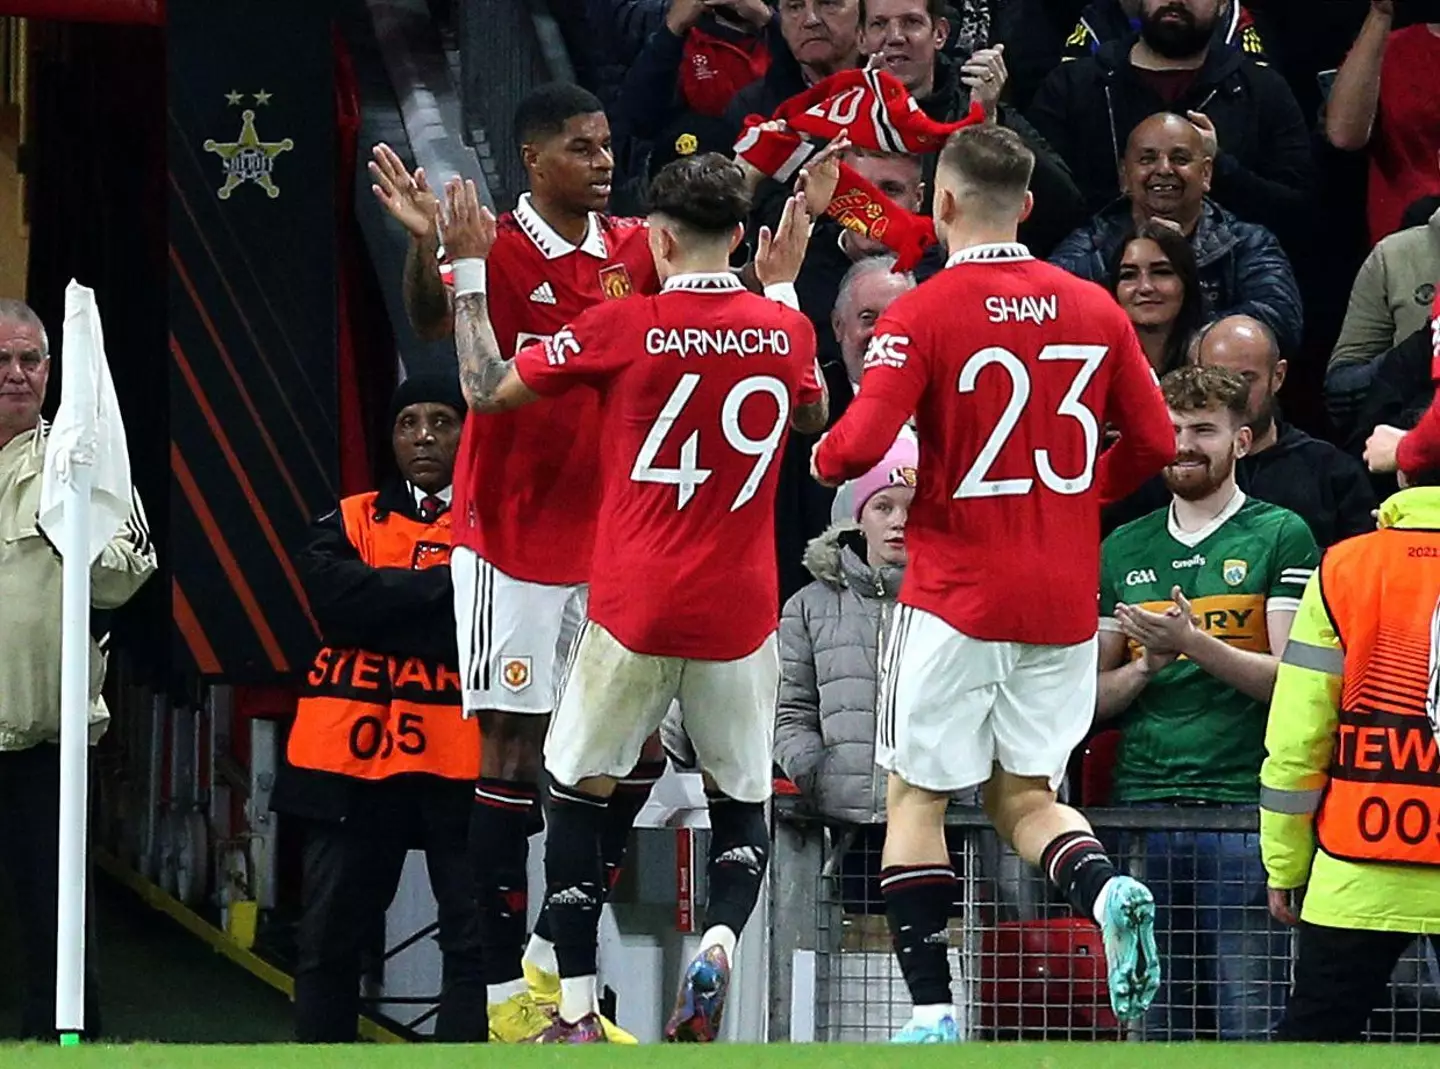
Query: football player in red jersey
522	556
522	552
699	386
1011	367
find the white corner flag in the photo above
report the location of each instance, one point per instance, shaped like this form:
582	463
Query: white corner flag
85	497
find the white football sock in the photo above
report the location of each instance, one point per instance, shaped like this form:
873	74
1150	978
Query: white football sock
577	997
498	993
930	1016
1101	899
540	952
722	937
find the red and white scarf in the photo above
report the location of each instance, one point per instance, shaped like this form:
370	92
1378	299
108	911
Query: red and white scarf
879	114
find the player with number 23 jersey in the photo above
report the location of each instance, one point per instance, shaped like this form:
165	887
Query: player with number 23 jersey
1011	367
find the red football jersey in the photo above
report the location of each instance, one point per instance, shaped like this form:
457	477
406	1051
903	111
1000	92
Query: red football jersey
1011	367
526	485
698	386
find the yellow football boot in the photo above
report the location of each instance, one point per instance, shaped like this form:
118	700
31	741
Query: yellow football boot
545	993
519	1019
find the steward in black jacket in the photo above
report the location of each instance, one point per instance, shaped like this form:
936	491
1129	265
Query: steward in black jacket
379	760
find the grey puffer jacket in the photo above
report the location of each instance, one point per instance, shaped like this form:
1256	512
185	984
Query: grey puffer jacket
831	633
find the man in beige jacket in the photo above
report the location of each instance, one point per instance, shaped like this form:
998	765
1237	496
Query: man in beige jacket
30	576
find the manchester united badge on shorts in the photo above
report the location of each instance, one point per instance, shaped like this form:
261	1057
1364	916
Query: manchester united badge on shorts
615	282
515	674
247	158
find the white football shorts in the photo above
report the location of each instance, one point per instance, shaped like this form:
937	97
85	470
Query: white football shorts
509	634
615	698
952	706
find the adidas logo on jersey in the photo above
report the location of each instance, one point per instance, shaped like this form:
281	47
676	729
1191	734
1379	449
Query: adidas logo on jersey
543	294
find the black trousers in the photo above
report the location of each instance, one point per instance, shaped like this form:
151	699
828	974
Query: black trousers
1340	977
30	834
351	870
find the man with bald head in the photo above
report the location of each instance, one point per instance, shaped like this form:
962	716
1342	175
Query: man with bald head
1165	177
866	290
1253	128
1323	485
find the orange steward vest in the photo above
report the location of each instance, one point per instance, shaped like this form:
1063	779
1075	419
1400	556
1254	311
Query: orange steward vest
1383	800
370	716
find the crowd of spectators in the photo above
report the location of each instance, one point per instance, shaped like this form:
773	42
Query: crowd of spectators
1227	171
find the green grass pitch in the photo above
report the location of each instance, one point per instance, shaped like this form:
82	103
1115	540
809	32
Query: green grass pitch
773	1056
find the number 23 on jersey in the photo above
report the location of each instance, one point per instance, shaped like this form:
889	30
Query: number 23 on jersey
889	350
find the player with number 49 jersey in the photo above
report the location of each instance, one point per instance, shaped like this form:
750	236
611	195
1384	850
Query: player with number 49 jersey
699	384
1012	367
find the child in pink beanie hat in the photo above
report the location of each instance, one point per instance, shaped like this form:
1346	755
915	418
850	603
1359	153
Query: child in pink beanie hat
896	468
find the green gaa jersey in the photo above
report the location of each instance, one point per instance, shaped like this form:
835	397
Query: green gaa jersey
1189	736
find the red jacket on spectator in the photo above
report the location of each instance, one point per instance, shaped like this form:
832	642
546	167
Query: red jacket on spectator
1406	142
717	63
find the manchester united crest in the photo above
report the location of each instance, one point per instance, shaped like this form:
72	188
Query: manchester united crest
615	282
515	674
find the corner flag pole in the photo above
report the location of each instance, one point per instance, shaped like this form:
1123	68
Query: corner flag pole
74	746
85	455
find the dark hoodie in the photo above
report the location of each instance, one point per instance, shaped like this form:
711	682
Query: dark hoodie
1324	486
1105	20
1059	207
1264	173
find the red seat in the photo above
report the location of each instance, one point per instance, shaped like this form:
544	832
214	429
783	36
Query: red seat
1045	979
1097	767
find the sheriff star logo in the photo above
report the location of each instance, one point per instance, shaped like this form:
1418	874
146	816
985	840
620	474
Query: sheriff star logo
247	158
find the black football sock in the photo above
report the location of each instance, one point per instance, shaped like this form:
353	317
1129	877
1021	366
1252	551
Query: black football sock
1076	863
739	853
629	798
499	851
917	905
574	876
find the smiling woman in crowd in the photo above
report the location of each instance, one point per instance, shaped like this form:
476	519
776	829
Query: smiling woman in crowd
1155	280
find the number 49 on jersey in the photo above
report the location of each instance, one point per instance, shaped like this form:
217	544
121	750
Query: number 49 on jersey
702	442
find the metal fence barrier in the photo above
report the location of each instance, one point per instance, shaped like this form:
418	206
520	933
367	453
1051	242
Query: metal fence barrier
1024	966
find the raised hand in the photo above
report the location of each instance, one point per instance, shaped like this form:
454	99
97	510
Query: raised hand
779	255
405	196
1209	139
467	227
985	73
818	178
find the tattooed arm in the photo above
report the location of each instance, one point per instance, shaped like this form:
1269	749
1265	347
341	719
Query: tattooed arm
410	201
427	303
488	381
